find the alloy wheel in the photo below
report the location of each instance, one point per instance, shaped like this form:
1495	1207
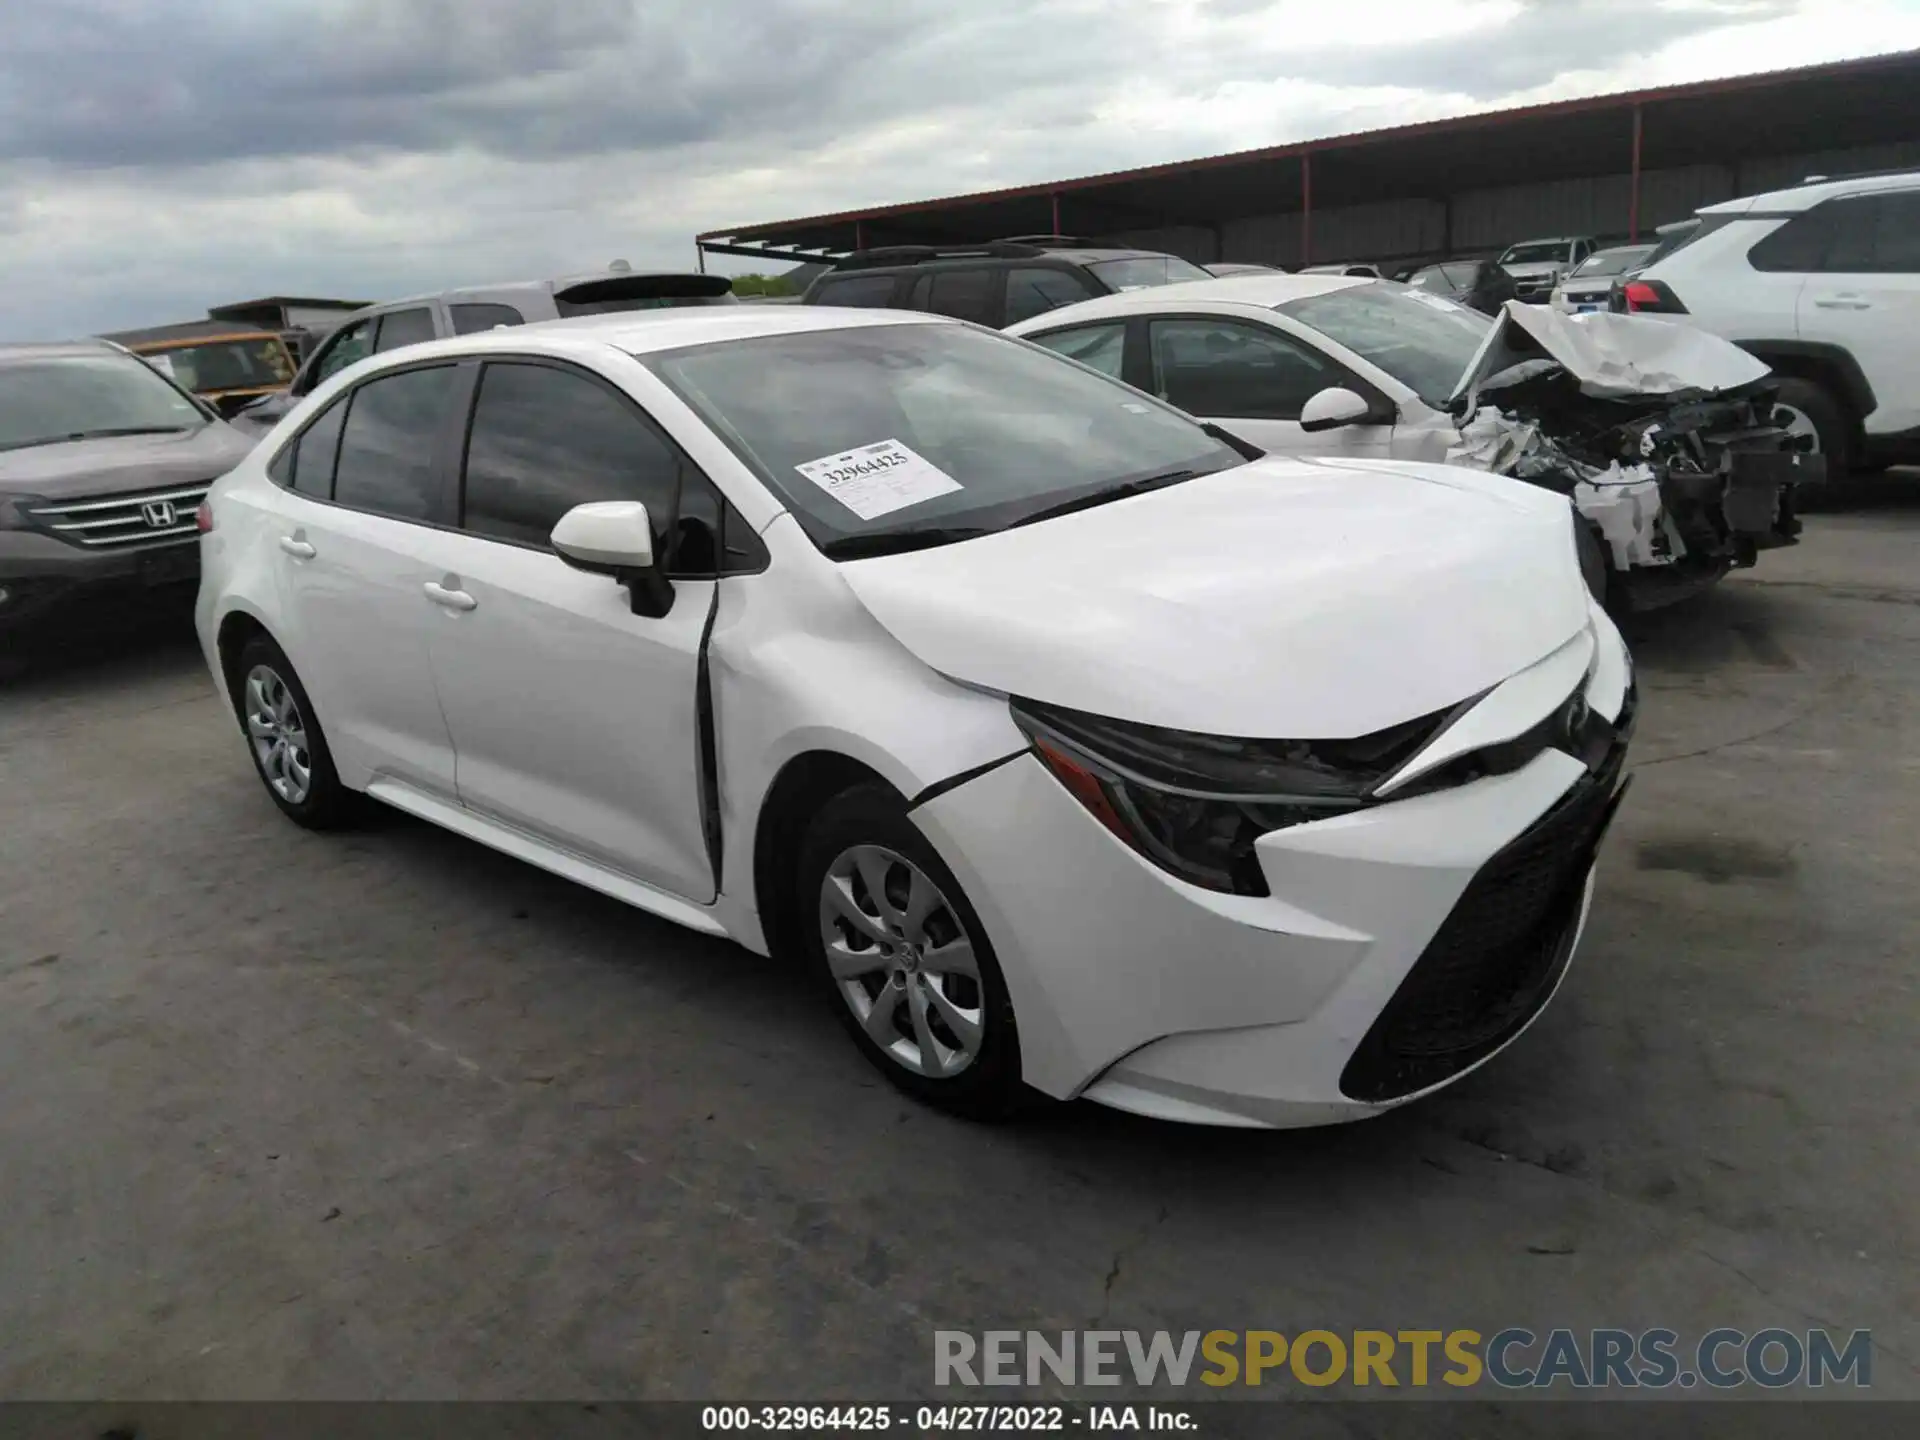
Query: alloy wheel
1802	434
278	733
902	960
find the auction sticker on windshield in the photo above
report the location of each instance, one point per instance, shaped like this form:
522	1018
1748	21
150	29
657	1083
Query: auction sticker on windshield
878	479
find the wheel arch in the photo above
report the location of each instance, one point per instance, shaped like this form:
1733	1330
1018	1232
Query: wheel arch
237	628
1830	366
804	783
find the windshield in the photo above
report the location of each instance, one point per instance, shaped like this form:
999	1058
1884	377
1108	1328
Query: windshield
261	363
1538	252
72	397
1424	342
1141	271
1611	262
1443	279
892	436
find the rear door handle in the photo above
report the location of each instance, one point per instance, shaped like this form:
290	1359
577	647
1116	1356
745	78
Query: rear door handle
451	599
1843	302
299	549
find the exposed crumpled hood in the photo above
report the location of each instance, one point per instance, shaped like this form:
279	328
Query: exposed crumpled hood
1282	599
1611	356
110	465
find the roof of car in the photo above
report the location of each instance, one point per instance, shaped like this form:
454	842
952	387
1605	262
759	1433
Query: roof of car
189	331
57	350
538	287
1262	291
1813	190
642	332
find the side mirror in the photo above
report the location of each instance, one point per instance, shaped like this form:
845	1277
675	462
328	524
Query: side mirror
1331	408
615	537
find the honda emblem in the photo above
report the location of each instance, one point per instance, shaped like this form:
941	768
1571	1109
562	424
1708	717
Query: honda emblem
159	514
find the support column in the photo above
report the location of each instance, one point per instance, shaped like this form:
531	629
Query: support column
1306	208
1056	214
700	254
1633	195
859	234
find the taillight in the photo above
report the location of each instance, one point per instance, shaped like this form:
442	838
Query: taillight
203	517
1650	297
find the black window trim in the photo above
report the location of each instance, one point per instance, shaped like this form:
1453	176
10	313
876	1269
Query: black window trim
1379	403
437	478
468	405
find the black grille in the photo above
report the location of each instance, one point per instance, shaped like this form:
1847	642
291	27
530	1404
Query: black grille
1496	958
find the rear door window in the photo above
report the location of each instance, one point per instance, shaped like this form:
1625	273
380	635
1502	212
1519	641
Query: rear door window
1224	368
471	317
1032	291
386	449
963	294
1870	234
859	291
404	327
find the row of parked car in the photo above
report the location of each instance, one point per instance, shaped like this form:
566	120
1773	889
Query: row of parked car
1815	283
1195	694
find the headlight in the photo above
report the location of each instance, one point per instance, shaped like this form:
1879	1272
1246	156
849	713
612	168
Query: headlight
1194	804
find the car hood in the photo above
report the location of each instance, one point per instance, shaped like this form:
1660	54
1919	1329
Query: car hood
1535	269
1281	599
1611	356
73	468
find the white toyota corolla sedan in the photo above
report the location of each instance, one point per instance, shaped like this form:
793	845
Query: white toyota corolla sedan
1073	746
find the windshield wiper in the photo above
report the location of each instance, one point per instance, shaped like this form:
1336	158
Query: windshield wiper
97	435
1111	492
893	542
106	434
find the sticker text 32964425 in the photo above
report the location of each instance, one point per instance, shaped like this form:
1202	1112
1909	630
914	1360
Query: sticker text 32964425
878	479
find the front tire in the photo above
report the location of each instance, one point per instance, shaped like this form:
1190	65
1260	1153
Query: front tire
284	739
904	958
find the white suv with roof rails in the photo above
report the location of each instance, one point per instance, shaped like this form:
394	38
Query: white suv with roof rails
418	318
1822	282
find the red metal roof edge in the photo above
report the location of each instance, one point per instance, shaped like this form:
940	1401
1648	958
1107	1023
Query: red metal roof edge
1576	105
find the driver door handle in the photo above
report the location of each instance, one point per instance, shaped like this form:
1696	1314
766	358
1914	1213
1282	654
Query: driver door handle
1844	302
451	599
299	549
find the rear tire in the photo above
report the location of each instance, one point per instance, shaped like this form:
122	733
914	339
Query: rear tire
284	739
1811	404
904	957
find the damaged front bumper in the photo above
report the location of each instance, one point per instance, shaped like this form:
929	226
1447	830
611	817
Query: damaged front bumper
1664	444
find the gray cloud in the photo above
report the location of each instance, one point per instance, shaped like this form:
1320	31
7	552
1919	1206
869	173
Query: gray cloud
184	82
160	155
1548	38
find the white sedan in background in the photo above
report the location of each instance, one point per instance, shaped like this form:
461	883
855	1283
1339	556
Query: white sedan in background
1664	438
1069	746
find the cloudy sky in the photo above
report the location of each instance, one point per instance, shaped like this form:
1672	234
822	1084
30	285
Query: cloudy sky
157	156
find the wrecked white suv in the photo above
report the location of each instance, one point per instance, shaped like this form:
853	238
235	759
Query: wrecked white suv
1658	434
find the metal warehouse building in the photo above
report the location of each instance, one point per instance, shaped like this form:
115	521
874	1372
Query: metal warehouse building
1613	166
